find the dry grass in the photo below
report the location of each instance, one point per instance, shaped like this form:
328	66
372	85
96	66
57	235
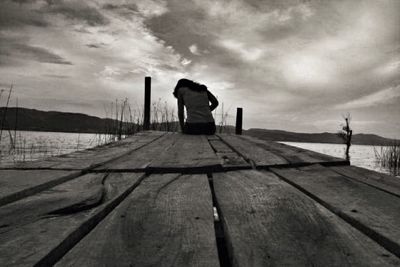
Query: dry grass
27	147
125	119
223	119
389	158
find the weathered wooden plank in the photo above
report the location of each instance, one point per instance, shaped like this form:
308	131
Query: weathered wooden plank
40	229
79	193
212	137
253	152
166	221
228	157
91	158
103	155
381	181
296	155
220	146
17	184
189	153
269	223
372	211
139	159
232	161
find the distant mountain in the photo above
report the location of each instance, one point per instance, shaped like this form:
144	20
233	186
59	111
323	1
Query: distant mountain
279	135
55	121
37	120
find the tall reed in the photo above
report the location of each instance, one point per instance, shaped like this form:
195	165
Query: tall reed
123	120
3	122
389	158
163	117
221	117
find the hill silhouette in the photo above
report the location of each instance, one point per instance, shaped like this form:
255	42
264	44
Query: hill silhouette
55	121
279	135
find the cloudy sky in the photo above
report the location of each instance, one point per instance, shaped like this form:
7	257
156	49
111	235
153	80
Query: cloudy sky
292	65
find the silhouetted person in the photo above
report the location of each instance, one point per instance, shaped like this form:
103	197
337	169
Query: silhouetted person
196	98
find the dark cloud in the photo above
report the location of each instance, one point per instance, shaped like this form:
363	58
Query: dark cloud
132	7
78	10
11	22
110	6
93	45
82	30
41	54
127	11
24	51
57	76
13	15
96	45
181	27
24	1
266	6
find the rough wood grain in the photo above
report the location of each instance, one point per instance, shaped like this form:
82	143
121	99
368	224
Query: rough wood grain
269	223
252	152
228	157
103	155
139	159
41	228
189	153
296	155
378	180
212	137
232	161
372	211
17	184
91	158
166	221
220	146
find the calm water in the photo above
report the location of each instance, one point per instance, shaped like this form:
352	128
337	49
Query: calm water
31	145
360	155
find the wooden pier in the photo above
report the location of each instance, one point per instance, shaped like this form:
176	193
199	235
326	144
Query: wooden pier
167	199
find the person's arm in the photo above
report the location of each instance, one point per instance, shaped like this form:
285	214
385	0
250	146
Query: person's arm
213	100
181	114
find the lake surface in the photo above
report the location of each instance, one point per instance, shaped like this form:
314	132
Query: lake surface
360	155
31	145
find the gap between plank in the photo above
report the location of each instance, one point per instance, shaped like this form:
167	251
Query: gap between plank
386	243
85	228
50	184
222	244
87	169
360	181
250	161
288	165
38	188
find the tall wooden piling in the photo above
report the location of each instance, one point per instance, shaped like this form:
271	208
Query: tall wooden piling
239	120
147	100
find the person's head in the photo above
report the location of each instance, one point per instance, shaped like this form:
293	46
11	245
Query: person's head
189	84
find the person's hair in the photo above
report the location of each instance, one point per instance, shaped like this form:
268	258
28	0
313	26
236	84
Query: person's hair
189	84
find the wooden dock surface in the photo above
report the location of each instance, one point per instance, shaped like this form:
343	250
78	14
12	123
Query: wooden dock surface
167	199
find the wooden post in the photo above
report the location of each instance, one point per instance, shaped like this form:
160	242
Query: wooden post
147	100
239	120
